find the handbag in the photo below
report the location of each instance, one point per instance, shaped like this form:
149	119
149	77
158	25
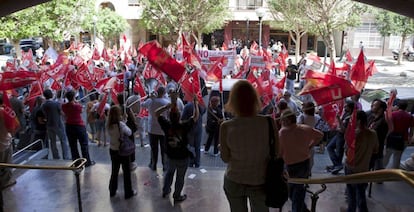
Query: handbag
126	145
276	186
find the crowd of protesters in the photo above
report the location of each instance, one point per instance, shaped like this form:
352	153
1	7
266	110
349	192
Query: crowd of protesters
174	128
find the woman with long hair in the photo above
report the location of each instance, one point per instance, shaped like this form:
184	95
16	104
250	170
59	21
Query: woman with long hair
244	146
116	127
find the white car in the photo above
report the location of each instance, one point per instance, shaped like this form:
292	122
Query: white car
404	93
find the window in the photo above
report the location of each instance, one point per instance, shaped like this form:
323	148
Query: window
368	34
249	4
133	3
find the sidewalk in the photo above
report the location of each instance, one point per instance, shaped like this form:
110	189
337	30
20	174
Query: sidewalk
38	190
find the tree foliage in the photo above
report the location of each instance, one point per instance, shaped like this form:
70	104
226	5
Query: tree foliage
389	23
291	19
327	16
168	17
58	19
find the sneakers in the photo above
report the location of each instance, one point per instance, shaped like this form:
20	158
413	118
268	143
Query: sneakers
134	193
133	166
336	170
9	183
180	198
90	163
165	194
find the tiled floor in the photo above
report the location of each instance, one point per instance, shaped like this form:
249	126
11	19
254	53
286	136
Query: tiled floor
43	191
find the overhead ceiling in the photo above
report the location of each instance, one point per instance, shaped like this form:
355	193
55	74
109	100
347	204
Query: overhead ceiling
10	6
404	7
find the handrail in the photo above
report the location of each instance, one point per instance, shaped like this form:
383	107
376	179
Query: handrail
75	165
27	147
364	177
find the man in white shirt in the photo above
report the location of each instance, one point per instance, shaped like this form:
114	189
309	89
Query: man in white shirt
156	134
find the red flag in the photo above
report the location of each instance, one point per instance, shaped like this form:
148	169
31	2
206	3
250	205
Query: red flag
216	73
371	69
332	68
101	107
316	61
254	48
224	46
350	137
358	74
160	59
35	91
114	97
190	55
191	87
105	55
83	78
281	83
328	88
281	62
98	74
284	52
17	79
348	56
96	55
138	88
330	112
10	119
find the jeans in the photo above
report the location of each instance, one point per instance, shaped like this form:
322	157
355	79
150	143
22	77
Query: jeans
336	149
213	137
117	161
156	140
356	195
77	133
297	192
6	173
396	158
290	86
173	166
195	141
52	132
239	195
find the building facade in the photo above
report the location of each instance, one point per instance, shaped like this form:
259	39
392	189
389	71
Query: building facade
243	28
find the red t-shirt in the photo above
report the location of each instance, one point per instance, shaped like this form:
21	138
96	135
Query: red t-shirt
73	113
402	122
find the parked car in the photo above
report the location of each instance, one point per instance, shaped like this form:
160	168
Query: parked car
404	93
26	44
6	48
408	54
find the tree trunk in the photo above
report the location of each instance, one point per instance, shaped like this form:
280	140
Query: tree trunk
400	55
297	46
331	46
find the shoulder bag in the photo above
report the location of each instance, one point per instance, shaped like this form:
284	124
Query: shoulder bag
276	186
126	145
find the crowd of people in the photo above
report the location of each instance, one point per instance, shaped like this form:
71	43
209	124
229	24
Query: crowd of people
175	127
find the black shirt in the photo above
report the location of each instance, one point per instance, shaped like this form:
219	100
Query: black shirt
291	72
176	137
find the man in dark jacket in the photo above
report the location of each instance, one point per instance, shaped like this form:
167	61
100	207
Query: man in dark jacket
176	132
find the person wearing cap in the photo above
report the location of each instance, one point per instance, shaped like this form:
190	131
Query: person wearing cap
176	133
156	134
291	104
295	140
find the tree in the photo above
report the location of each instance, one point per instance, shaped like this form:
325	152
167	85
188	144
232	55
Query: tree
291	16
108	24
389	23
58	19
327	16
168	17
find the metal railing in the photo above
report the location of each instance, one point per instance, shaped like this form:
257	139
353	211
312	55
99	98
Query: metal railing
364	177
76	166
27	147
